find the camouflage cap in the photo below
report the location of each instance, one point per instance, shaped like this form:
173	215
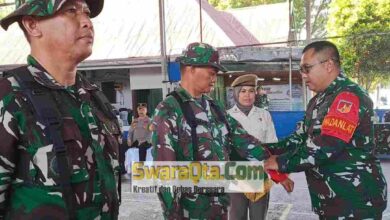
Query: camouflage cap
245	80
44	8
201	54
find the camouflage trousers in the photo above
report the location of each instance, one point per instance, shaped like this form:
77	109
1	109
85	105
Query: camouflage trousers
200	206
360	214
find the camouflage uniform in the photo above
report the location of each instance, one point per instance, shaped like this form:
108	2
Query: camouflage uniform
262	101
29	184
92	146
91	141
344	177
386	116
171	140
42	8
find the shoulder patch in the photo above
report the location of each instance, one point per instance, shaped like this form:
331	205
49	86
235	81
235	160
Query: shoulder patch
343	117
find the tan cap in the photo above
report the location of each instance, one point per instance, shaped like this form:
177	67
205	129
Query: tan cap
245	80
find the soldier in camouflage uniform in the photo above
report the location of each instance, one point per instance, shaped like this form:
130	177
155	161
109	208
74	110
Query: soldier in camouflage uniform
171	137
386	116
261	100
60	34
334	146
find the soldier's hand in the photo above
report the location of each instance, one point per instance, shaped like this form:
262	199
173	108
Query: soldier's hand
271	164
288	185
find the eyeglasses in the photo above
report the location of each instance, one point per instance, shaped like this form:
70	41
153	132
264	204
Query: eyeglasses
306	67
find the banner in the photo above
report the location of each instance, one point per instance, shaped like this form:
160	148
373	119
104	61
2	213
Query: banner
197	176
279	97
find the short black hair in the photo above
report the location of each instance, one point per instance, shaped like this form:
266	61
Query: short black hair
320	46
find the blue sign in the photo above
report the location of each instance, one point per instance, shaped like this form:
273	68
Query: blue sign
174	71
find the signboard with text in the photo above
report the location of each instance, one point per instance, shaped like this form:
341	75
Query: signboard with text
279	97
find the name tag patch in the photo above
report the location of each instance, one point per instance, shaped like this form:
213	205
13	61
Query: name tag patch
338	127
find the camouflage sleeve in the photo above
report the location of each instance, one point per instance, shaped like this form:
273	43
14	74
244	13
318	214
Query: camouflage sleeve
317	151
164	142
245	144
8	141
164	135
332	139
289	144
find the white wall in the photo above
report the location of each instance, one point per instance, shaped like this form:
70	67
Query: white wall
132	79
381	97
145	78
123	97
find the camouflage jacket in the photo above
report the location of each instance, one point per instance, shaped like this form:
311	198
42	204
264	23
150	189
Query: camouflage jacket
262	101
29	184
171	140
386	117
335	149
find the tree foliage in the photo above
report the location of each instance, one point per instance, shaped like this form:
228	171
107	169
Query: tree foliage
364	27
6	6
224	4
319	16
319	9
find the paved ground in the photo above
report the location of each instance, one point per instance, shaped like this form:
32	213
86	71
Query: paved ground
294	206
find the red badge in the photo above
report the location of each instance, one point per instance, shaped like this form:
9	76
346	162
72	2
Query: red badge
342	118
344	106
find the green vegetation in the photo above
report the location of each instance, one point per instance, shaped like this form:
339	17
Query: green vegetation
364	27
6	6
224	4
360	28
318	15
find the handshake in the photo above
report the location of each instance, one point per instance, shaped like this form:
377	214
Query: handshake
272	168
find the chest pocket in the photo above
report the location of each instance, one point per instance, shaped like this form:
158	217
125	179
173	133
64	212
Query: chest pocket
44	166
37	163
75	150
